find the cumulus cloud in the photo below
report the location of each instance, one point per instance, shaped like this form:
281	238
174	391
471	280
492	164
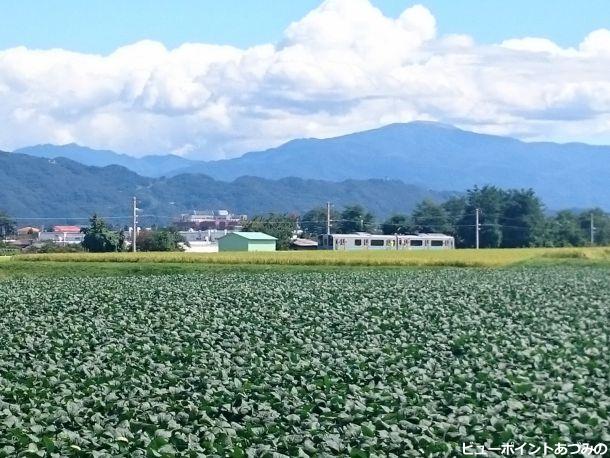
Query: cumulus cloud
343	67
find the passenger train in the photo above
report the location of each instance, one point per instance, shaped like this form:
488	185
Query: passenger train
366	241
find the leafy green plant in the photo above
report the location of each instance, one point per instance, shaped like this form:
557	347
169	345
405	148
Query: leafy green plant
287	363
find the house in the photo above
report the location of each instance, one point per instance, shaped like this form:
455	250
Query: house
246	241
207	219
67	229
63	235
28	231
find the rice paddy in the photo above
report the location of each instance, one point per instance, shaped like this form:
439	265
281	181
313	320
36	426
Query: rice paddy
450	258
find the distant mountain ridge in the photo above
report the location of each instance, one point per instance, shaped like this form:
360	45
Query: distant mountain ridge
62	189
430	155
151	166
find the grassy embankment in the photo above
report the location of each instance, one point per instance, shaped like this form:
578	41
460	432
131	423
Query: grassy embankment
160	263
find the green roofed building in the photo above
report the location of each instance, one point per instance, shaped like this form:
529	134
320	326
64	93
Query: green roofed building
246	241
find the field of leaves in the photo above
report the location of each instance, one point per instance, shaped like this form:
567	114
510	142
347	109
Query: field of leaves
285	363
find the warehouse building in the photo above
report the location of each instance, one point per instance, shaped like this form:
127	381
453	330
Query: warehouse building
246	241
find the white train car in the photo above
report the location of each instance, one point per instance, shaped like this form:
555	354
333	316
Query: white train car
366	241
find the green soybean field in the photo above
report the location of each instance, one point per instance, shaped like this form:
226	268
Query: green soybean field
360	363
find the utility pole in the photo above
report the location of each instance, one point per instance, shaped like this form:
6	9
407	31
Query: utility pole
592	227
134	232
327	218
477	228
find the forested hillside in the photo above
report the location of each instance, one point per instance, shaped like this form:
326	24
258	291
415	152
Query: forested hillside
63	189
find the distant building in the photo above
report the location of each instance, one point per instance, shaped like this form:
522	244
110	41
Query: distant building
208	235
246	241
207	219
67	229
63	235
28	231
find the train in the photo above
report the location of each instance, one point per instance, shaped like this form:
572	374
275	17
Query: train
365	241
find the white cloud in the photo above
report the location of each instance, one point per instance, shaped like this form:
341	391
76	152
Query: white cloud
533	44
342	68
597	43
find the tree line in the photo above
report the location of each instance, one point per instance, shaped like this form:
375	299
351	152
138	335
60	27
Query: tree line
508	218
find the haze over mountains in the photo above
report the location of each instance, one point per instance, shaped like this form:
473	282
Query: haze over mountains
425	154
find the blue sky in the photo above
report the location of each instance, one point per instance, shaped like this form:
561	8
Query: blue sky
100	26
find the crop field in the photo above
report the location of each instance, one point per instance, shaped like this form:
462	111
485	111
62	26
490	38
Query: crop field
279	363
447	258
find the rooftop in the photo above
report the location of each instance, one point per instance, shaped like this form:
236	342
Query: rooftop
66	229
252	235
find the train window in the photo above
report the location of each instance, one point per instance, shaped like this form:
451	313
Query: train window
377	242
417	243
358	242
436	243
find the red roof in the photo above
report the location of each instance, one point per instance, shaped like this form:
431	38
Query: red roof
66	229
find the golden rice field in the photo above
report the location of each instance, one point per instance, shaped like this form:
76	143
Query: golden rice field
455	258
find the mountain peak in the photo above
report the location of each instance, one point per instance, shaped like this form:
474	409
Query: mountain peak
435	124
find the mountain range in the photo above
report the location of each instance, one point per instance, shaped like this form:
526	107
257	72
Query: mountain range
148	166
424	154
41	190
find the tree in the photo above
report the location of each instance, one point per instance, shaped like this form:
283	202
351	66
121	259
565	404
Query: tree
99	238
160	240
601	223
280	226
454	209
430	217
7	227
314	221
397	224
490	201
564	230
354	218
522	219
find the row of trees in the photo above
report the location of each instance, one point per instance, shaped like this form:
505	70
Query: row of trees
508	218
